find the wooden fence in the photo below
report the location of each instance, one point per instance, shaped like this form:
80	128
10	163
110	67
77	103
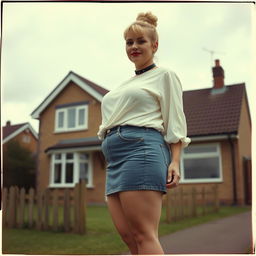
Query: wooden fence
47	210
182	203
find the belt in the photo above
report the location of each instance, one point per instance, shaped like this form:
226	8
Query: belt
112	129
117	128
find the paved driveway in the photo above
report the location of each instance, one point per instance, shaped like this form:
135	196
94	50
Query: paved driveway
228	235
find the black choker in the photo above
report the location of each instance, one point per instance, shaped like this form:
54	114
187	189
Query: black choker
138	72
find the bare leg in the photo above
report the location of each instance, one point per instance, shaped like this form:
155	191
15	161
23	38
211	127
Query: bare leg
120	222
143	212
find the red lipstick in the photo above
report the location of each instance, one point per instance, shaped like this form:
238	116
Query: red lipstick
135	54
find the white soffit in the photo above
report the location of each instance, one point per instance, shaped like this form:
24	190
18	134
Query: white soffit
18	131
70	77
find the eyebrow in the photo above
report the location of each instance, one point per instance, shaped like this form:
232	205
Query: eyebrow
136	38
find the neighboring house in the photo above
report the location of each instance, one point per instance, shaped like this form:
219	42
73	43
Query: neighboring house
219	125
218	121
23	133
27	138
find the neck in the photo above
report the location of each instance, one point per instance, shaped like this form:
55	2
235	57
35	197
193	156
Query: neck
144	65
145	69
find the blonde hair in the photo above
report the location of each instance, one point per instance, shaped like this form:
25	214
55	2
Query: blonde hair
144	22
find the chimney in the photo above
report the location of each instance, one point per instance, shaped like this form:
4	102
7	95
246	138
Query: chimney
218	75
8	123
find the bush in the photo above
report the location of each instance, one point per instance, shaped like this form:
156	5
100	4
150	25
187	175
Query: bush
19	166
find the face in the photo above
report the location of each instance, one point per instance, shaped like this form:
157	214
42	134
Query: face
140	49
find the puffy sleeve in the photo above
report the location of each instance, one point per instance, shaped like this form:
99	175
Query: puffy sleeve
171	102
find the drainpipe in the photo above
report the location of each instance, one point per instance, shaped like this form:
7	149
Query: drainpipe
233	169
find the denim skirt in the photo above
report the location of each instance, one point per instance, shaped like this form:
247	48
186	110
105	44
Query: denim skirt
137	159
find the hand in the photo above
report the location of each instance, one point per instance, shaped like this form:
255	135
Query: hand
173	175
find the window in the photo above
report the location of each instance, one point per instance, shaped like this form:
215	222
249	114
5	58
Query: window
68	168
201	163
26	138
71	118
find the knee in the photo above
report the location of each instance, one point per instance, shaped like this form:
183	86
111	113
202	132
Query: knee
143	236
127	237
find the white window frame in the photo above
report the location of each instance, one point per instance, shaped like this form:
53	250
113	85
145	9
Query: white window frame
65	121
202	155
75	161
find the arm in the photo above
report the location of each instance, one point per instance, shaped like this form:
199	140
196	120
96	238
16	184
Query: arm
174	120
174	169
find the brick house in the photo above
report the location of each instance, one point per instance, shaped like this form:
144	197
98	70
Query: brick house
218	121
27	138
219	125
23	133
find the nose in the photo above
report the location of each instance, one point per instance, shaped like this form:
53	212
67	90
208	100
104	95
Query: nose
134	45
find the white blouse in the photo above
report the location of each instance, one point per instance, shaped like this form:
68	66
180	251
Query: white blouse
152	99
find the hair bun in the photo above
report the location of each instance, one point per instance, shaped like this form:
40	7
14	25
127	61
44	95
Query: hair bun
147	17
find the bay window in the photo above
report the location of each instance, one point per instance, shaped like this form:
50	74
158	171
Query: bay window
68	168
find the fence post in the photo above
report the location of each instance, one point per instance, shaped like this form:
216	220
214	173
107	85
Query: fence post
216	198
46	208
76	208
31	207
175	206
21	208
168	206
181	203
12	207
66	212
193	202
39	203
203	201
55	209
5	207
82	204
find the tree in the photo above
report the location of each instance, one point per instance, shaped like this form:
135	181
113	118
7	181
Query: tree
19	166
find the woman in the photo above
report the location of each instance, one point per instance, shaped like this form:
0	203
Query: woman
143	130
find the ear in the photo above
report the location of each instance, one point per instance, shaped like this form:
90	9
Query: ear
155	46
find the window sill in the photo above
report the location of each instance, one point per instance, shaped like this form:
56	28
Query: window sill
71	130
190	181
68	186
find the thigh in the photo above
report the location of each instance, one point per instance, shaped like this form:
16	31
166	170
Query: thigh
142	209
117	215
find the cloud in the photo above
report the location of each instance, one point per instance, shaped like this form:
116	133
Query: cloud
47	40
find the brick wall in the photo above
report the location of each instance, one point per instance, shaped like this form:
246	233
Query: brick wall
244	148
71	93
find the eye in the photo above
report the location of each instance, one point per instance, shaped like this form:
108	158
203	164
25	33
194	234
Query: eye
142	41
129	42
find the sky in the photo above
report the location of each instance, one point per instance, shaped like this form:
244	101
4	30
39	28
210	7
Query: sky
47	40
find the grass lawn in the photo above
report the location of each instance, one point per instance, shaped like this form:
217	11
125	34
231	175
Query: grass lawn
101	237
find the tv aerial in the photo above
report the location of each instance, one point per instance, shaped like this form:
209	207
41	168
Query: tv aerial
212	52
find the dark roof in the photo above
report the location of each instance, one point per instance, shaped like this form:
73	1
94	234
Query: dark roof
210	113
9	129
76	143
96	87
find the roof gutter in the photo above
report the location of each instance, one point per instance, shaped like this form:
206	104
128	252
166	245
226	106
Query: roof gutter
214	137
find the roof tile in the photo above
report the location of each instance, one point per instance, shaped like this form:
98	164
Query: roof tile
209	114
9	129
